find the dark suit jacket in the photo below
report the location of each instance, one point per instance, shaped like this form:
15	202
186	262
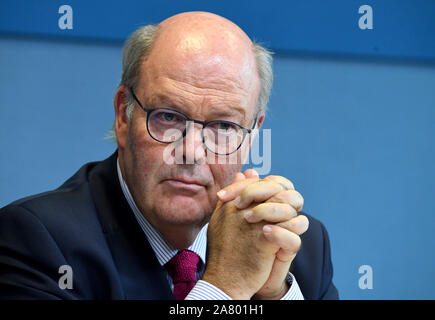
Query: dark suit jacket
88	225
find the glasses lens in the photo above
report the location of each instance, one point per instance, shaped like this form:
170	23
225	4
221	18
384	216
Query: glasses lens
166	125
222	137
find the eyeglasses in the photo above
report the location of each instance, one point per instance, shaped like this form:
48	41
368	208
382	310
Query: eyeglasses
219	136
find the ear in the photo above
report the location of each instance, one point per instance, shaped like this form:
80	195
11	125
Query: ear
121	120
257	128
260	121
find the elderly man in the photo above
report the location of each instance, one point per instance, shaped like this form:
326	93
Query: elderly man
169	214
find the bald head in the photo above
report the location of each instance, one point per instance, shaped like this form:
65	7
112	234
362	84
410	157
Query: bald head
199	19
200	30
204	39
199	48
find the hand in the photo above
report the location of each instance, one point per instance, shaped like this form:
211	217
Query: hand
281	209
240	258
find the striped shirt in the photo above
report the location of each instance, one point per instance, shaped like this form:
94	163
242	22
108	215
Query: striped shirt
164	252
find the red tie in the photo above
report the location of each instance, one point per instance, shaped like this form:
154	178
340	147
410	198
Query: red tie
182	269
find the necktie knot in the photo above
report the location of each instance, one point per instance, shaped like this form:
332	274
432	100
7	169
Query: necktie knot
182	269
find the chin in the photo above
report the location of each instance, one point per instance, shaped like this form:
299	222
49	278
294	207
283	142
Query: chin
183	210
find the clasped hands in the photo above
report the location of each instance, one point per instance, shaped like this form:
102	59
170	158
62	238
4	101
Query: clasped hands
253	236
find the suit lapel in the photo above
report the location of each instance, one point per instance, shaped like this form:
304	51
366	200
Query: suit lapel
140	273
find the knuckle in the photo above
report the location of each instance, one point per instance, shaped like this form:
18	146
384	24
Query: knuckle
265	210
281	197
286	210
297	199
286	225
278	210
300	196
246	192
292	212
272	182
284	182
256	212
273	209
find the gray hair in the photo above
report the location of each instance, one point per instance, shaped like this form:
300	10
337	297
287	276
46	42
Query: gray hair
138	46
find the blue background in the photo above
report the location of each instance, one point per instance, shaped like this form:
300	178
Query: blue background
352	112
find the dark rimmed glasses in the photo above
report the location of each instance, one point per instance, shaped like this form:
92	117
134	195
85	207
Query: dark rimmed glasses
218	136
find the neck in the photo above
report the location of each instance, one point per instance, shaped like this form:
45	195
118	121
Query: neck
179	237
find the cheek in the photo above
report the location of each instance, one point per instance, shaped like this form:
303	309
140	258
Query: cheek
147	162
146	156
145	150
224	174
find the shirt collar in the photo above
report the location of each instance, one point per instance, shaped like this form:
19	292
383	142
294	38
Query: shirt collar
163	250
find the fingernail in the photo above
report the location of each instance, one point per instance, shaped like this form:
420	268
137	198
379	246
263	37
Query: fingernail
267	229
237	201
248	214
221	193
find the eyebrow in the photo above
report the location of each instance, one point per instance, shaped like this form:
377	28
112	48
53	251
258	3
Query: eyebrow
157	100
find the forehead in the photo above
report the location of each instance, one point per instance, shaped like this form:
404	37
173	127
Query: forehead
215	107
203	69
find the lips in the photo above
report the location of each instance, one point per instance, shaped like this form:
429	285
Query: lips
189	184
188	180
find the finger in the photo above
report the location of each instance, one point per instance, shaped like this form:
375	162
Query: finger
257	192
231	191
239	177
298	225
270	212
286	183
277	279
288	241
251	173
292	197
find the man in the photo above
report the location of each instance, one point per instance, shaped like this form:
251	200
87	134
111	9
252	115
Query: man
164	217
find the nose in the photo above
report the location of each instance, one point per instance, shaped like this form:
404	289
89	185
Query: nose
193	148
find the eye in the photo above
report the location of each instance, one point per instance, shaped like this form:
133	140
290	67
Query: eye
224	127
165	119
168	116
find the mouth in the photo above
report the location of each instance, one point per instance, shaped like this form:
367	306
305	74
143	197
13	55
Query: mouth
185	184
